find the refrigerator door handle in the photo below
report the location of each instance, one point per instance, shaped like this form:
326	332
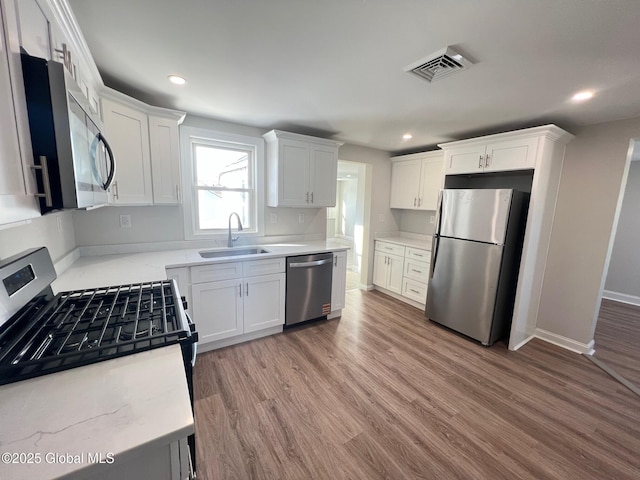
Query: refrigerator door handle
434	254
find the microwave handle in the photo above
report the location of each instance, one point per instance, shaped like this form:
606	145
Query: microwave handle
112	168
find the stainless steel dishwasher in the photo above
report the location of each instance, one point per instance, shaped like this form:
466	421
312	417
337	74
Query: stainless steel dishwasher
308	287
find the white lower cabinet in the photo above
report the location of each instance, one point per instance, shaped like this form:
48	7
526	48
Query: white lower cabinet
339	282
246	297
403	270
168	462
388	268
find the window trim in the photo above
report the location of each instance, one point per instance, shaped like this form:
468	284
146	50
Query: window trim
195	135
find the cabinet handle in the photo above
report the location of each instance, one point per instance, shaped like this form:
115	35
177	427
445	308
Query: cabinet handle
418	255
311	197
487	159
415	202
240	290
419	201
177	193
417	271
414	291
44	167
307	197
335	261
116	192
480	161
247	290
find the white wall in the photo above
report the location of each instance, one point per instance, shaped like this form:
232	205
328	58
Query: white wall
588	194
41	232
623	276
415	221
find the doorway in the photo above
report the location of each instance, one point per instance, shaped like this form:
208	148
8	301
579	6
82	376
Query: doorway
617	330
345	221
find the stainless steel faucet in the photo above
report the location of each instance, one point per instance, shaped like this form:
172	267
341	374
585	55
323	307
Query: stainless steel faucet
233	239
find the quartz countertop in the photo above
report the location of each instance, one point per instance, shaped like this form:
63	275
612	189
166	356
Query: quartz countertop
423	243
127	407
118	269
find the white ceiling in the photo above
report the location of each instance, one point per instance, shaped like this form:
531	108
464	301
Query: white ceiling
335	67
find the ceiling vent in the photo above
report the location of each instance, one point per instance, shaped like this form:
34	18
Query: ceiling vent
439	65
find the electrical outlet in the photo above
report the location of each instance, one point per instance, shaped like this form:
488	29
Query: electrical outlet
432	220
59	223
125	221
301	218
274	218
381	217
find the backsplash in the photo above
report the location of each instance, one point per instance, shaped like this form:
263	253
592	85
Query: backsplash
414	221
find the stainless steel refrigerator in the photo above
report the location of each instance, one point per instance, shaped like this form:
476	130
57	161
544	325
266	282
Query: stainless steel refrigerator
475	259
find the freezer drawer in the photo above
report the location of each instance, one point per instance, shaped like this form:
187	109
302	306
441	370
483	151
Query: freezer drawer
463	286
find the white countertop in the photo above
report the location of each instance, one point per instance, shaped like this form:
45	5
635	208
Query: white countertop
125	406
118	269
423	243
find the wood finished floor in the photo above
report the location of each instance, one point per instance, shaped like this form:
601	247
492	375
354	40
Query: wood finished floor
382	393
617	338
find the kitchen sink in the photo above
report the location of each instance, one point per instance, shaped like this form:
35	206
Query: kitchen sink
231	252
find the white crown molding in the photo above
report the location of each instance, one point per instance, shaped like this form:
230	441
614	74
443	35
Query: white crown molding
550	131
116	96
67	20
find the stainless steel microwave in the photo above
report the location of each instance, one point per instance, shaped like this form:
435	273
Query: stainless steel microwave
74	163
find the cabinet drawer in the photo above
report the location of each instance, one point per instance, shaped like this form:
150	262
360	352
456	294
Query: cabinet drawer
216	272
414	290
265	266
418	254
391	248
416	270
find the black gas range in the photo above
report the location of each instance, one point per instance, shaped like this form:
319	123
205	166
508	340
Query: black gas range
42	333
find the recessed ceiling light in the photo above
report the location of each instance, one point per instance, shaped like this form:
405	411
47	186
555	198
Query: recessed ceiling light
407	136
582	96
177	79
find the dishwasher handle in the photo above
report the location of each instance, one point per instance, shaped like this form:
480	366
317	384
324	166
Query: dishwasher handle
311	264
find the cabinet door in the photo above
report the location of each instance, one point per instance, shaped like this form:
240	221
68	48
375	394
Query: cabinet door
264	302
339	282
217	309
405	184
396	271
431	181
324	176
380	269
165	159
469	159
34	29
511	155
16	203
293	184
127	131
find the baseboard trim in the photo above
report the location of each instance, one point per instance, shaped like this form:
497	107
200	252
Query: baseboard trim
621	297
413	303
226	342
522	343
565	342
66	261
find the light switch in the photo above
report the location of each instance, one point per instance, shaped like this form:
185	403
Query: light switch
274	218
301	218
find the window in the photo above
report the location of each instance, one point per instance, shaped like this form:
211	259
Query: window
222	173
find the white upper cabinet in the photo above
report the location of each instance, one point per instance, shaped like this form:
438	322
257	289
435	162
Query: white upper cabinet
17	202
145	144
503	152
164	139
34	29
302	171
127	131
416	180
